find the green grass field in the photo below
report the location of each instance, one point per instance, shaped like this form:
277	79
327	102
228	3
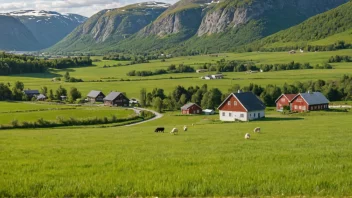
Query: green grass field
31	112
35	81
295	155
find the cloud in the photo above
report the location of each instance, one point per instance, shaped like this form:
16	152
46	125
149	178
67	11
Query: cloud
83	7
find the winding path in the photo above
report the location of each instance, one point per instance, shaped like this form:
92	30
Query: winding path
138	110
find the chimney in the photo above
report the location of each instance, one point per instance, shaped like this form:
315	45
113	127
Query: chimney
309	91
239	91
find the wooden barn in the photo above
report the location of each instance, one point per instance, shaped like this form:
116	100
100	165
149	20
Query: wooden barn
191	108
311	101
244	106
116	99
95	96
284	101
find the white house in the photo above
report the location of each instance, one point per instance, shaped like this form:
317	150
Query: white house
241	106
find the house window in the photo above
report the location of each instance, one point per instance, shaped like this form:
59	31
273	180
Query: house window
229	103
300	107
304	108
283	99
254	115
235	103
223	114
230	114
242	115
296	107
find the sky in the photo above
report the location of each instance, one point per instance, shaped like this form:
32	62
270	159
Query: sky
83	7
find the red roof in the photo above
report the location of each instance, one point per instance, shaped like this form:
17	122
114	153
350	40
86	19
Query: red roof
290	97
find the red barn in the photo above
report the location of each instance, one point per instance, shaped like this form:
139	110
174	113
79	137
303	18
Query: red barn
311	101
284	101
191	108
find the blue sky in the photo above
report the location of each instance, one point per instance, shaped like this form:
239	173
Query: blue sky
83	7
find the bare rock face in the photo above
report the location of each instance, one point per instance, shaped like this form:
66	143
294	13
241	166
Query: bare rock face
219	20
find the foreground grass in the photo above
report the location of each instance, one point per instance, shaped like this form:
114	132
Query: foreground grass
295	155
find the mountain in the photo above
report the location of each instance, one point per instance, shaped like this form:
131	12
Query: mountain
324	29
16	36
214	25
48	27
112	25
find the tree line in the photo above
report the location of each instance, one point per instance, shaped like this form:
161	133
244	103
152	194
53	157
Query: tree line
339	90
19	64
171	69
16	93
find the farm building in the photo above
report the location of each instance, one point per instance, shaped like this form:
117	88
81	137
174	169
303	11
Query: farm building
191	108
41	97
116	99
311	101
243	106
208	112
284	101
217	76
95	96
31	93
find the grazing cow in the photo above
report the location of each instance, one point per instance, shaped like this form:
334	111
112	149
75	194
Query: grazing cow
247	136
159	129
185	128
174	131
256	130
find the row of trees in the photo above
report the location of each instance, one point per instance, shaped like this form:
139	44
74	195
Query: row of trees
18	64
171	69
212	98
16	93
338	59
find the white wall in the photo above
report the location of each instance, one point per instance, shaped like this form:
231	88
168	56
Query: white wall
230	116
253	115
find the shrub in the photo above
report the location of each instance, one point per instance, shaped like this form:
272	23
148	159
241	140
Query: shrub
14	123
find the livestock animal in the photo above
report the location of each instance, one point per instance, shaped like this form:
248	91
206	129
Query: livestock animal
174	131
247	136
256	130
185	128
159	129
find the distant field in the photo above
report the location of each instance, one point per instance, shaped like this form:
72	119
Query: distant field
28	112
35	81
294	156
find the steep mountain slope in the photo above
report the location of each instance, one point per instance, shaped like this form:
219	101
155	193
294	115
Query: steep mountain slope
48	27
16	36
335	24
110	26
213	25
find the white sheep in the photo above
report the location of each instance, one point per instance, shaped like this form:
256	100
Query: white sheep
174	131
185	128
247	136
256	130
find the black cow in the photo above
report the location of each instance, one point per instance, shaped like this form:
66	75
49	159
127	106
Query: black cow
159	129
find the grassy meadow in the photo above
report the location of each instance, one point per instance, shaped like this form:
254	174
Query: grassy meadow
295	155
97	72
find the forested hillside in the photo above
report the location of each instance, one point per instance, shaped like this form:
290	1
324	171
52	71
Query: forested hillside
307	34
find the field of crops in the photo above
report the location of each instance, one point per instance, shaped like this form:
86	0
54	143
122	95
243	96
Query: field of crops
295	155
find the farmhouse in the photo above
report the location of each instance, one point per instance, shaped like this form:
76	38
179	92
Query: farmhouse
201	70
95	96
284	101
191	108
311	101
217	76
244	106
41	97
31	93
116	99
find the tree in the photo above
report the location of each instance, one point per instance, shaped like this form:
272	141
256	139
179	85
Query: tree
5	92
158	104
74	94
149	99
51	94
212	99
19	86
44	90
183	99
17	91
67	76
60	92
143	97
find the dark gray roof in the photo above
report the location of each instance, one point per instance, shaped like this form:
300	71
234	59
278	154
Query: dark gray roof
31	91
249	101
314	98
112	96
187	106
94	94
